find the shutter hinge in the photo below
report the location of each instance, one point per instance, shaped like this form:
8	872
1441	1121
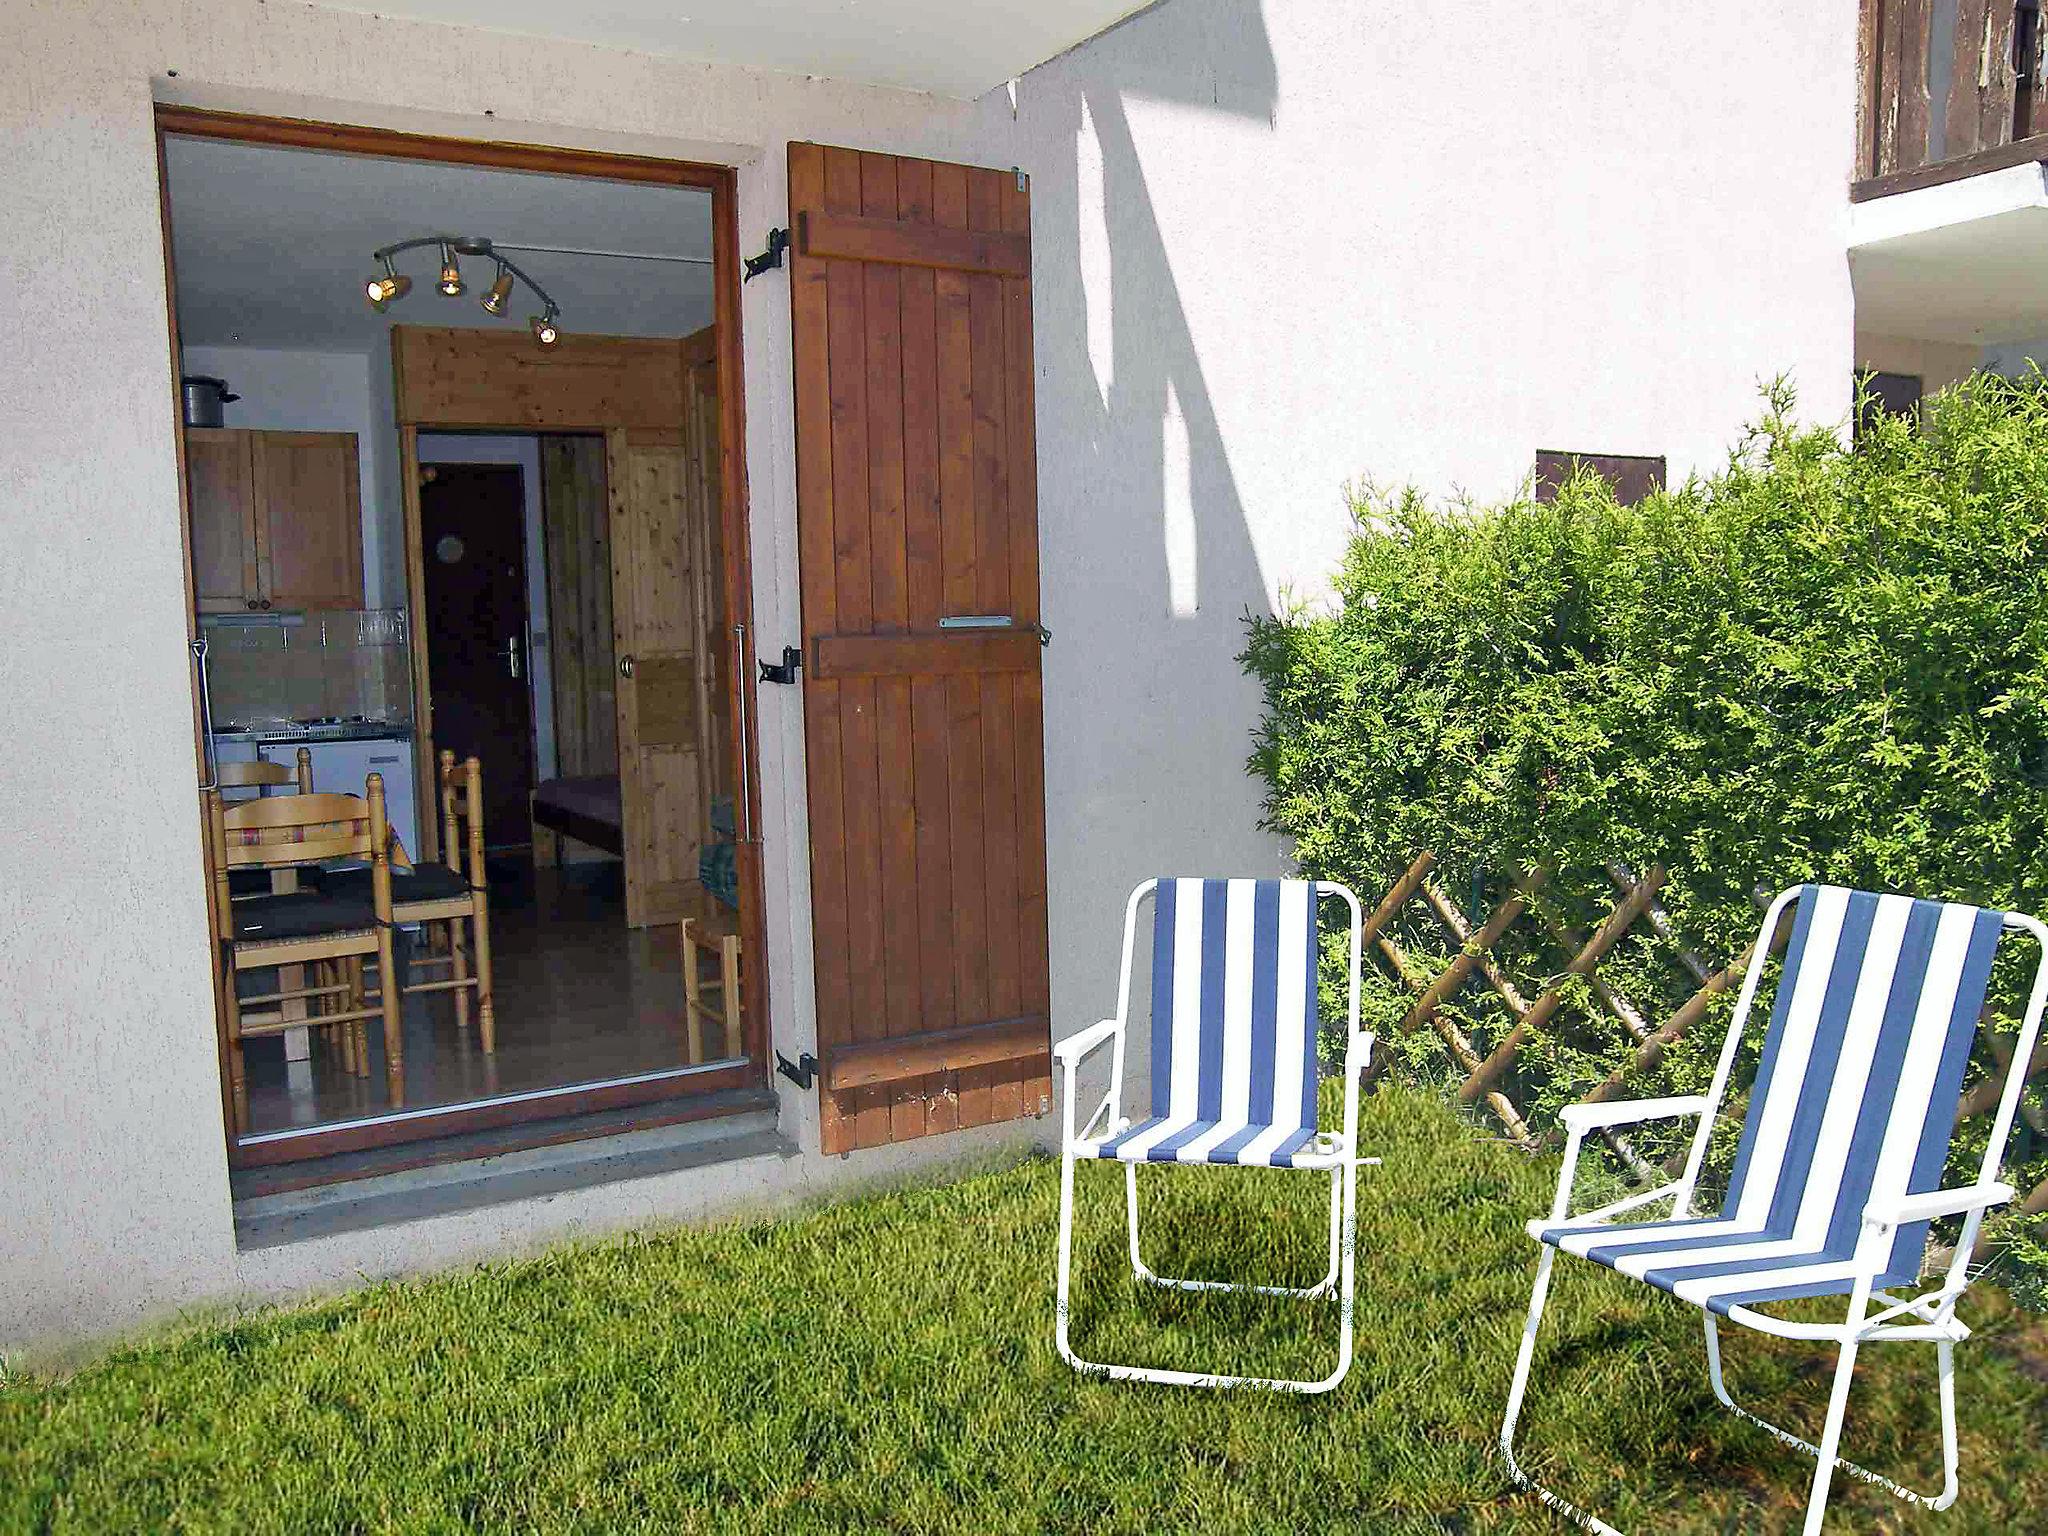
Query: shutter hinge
803	1071
778	242
1019	173
786	670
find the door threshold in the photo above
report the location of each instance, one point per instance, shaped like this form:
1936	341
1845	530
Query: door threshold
493	1141
484	1172
316	1143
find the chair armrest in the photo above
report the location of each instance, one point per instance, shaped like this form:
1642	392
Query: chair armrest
1587	1117
1936	1203
1068	1052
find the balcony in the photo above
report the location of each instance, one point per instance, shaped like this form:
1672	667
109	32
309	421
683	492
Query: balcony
1949	89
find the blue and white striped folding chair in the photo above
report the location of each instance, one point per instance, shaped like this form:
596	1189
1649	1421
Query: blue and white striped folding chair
1233	1077
1838	1170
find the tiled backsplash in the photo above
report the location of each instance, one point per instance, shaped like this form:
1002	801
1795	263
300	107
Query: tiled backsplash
344	662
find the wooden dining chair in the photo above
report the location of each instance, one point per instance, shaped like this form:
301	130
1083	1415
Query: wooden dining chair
442	897
711	938
262	774
304	927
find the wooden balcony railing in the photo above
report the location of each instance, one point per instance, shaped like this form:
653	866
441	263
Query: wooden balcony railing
1949	88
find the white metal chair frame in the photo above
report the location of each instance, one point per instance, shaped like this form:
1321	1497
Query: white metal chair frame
1928	1317
1108	1118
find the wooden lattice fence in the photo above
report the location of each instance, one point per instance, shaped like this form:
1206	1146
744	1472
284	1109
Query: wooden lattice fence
1559	963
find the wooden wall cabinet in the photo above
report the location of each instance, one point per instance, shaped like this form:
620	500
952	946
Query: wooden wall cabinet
277	519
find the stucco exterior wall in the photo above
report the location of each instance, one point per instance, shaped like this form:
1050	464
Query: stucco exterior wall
1277	248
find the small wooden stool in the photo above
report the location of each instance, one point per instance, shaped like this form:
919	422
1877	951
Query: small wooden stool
710	937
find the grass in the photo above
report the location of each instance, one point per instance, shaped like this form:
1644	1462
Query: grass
887	1364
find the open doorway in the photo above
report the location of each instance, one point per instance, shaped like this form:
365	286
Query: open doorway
530	558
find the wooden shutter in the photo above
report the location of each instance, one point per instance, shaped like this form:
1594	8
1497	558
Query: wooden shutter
917	500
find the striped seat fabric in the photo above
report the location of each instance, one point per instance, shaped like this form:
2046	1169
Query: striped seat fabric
1855	1097
1233	1029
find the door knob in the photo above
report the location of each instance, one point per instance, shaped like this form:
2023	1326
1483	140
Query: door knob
512	656
625	666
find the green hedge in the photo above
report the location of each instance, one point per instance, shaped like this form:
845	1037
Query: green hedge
1819	663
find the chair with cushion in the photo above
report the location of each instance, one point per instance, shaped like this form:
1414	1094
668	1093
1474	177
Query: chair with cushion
432	894
261	777
1233	1068
306	927
1839	1169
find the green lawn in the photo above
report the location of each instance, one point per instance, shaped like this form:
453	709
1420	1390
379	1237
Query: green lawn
887	1364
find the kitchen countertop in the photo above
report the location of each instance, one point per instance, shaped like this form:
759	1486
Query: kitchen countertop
353	730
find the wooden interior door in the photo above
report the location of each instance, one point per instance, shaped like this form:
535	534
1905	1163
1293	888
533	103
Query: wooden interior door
658	619
473	545
310	537
910	293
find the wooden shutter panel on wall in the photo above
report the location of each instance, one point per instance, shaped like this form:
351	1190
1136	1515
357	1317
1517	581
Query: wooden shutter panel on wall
917	501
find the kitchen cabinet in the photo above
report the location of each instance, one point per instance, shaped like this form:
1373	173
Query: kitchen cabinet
276	519
219	469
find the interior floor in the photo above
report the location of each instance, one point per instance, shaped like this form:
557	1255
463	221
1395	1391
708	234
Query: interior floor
580	997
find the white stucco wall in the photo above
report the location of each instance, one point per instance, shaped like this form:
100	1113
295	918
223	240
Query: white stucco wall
1277	248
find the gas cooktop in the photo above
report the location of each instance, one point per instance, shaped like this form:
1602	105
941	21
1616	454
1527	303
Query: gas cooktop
315	728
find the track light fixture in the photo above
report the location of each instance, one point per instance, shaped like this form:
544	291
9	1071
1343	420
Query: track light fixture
387	285
500	290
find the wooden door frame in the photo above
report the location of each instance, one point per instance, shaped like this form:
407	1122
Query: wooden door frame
722	182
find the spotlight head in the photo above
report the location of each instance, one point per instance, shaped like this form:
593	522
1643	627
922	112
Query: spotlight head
451	274
500	290
386	287
544	330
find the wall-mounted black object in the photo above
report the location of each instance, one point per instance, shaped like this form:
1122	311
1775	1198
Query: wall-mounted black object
792	660
778	242
803	1071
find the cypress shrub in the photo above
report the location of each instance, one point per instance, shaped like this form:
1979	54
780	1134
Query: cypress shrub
1823	662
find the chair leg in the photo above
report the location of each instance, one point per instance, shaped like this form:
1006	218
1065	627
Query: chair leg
1138	1268
486	1012
1830	1440
1950	1452
693	997
459	971
238	1087
390	999
1343	1235
1065	1267
358	1043
729	999
1524	1361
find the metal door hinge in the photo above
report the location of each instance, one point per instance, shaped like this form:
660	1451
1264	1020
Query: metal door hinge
803	1071
778	242
785	671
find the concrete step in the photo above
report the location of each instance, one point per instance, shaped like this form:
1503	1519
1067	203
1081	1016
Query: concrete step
414	1194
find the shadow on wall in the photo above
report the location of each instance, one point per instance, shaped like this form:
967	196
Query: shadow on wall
1149	562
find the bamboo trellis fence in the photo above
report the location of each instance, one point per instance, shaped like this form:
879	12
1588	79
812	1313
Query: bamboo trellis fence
1476	950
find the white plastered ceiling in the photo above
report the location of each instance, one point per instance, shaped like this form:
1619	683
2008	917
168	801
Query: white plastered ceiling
272	246
959	48
1961	263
